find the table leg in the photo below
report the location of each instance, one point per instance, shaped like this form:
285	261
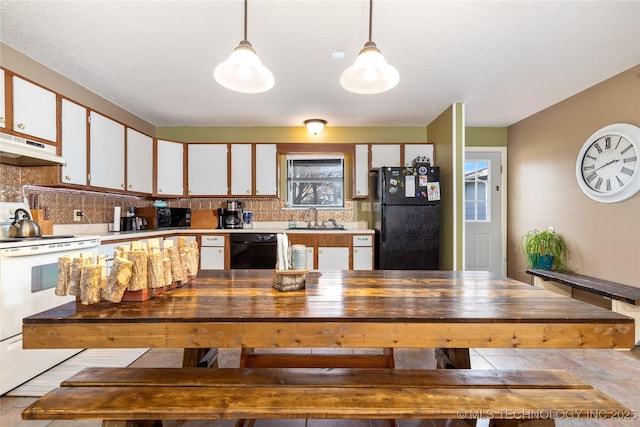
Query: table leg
200	357
453	358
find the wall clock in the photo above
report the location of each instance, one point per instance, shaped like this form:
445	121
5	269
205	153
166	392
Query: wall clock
607	167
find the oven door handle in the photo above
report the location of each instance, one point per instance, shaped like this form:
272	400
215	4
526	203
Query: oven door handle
33	250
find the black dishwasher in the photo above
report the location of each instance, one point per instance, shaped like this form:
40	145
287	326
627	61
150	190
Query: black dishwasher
253	250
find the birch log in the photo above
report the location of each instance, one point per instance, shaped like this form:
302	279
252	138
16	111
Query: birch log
101	260
155	269
166	270
195	253
76	275
185	261
64	276
90	284
138	271
176	266
153	245
118	280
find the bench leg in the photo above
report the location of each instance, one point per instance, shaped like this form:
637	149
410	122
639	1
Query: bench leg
200	357
119	423
453	358
522	423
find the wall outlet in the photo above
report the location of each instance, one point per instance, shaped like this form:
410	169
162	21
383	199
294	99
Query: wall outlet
77	215
366	206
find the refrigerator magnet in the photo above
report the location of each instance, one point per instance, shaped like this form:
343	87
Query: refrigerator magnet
422	180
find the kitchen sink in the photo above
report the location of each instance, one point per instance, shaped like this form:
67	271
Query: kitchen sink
339	228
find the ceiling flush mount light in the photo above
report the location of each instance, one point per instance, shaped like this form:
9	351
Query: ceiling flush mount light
315	126
243	71
370	73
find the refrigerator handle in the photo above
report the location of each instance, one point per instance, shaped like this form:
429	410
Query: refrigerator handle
383	228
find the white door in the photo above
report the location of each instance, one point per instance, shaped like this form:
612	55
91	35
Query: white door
169	176
74	143
207	169
484	245
106	152
139	162
266	170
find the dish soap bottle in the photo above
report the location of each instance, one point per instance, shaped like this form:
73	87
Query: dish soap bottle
292	222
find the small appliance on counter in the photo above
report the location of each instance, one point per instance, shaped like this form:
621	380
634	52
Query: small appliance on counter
222	213
233	214
166	217
247	219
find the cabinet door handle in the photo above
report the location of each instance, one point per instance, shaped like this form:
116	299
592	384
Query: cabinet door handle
67	177
21	126
2	120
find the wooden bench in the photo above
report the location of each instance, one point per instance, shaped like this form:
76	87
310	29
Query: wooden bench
624	299
507	397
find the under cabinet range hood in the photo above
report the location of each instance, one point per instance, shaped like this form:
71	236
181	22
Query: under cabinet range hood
23	152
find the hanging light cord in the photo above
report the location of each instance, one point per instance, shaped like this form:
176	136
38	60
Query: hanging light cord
370	17
245	20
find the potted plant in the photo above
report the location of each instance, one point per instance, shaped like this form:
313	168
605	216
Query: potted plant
545	250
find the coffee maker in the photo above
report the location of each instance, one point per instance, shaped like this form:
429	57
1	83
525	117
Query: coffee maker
233	214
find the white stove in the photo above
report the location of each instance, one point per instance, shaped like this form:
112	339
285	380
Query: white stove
28	277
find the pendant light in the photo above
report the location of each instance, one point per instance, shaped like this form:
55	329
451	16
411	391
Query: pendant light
370	73
243	71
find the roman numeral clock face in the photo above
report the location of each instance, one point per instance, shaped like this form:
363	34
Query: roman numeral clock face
607	167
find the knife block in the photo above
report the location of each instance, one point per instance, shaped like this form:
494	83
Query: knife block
46	225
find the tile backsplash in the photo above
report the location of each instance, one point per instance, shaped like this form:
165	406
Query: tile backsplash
98	207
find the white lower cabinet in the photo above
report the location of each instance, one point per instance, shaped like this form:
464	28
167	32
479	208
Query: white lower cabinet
330	258
362	252
212	253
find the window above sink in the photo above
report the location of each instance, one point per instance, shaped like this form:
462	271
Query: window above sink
315	180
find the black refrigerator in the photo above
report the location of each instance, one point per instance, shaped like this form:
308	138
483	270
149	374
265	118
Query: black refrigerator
406	217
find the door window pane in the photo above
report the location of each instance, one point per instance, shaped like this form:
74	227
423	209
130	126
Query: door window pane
476	190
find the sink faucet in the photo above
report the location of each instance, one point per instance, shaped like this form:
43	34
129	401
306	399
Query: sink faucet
315	211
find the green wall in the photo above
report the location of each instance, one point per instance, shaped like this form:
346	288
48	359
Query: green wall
293	134
485	137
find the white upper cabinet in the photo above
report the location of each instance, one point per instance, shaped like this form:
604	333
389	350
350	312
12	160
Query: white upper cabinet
106	152
411	151
266	170
139	162
170	171
385	155
34	110
74	143
241	170
207	169
3	116
361	172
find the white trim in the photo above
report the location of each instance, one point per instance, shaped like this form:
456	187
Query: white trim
454	201
503	185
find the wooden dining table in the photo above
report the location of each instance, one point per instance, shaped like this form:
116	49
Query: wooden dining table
449	310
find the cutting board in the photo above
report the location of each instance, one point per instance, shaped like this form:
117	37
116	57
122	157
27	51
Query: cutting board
204	218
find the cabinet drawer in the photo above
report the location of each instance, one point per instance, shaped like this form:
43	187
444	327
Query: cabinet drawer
212	241
362	241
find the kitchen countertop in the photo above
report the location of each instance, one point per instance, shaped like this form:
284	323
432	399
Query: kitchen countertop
259	227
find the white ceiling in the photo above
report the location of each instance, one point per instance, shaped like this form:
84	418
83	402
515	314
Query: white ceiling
506	60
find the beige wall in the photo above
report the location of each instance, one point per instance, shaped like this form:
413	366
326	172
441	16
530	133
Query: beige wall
603	239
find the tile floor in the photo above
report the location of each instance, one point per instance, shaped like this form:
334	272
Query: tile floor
616	373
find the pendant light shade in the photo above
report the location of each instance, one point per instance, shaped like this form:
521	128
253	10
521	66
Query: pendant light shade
243	71
370	73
